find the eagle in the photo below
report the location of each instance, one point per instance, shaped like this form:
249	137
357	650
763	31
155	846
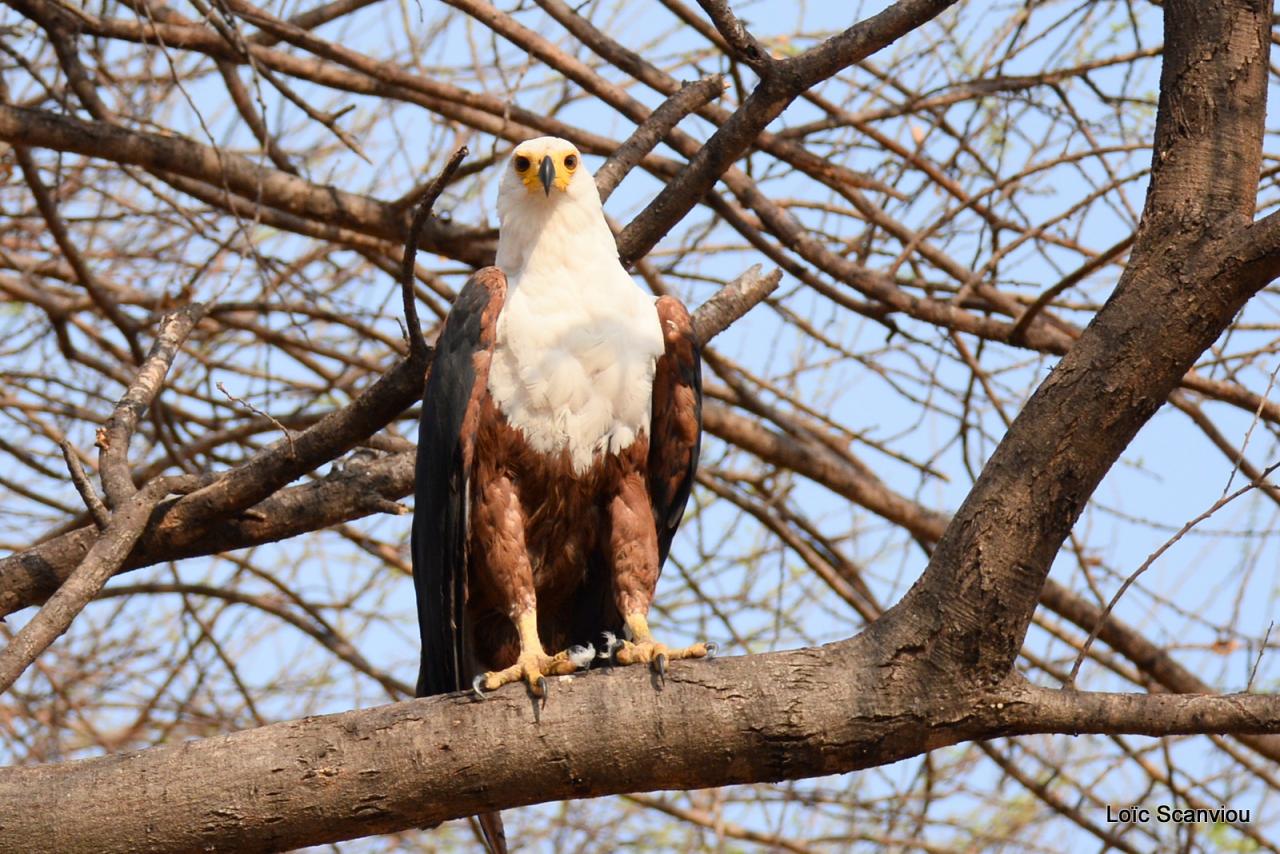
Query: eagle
561	425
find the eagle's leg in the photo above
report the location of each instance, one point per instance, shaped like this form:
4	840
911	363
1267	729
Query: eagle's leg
634	545
533	664
500	522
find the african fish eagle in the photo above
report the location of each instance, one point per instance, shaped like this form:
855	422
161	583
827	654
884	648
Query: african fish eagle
560	431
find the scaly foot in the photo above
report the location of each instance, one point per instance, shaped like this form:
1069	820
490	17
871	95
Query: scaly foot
643	648
533	666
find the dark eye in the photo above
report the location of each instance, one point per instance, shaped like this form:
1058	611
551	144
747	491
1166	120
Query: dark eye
571	162
522	164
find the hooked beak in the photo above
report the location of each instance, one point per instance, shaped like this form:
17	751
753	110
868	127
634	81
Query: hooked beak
547	174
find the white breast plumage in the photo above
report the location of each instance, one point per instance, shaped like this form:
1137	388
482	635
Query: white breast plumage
573	370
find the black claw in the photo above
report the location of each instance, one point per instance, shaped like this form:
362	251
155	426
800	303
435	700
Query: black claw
476	687
711	646
542	688
661	664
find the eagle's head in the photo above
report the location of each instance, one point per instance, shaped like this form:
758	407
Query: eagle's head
549	209
543	165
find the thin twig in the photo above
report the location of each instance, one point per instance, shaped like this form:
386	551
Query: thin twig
1152	558
256	411
1258	661
722	828
1049	294
101	516
58	229
418	344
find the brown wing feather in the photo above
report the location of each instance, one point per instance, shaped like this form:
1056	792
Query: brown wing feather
675	437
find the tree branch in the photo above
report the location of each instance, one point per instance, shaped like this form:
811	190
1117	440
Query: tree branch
765	717
101	515
766	103
742	44
220	168
1031	709
417	345
1180	290
652	130
203	522
113	437
732	301
102	562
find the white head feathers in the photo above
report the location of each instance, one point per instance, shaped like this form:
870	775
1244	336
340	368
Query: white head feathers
549	210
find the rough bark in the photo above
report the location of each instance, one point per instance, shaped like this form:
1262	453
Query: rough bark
767	717
1192	268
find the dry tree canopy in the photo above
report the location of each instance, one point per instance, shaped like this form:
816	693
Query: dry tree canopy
1022	360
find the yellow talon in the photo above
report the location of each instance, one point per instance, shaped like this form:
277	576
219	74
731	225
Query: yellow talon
533	668
643	648
533	664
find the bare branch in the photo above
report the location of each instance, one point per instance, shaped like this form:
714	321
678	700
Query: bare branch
733	301
690	98
419	762
20	126
101	515
417	344
952	197
113	438
1154	556
743	45
102	562
764	104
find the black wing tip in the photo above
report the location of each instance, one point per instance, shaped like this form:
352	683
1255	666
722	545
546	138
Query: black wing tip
440	514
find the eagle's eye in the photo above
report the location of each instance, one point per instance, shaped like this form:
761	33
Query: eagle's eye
571	162
522	163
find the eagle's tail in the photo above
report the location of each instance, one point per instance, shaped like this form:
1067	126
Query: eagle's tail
492	835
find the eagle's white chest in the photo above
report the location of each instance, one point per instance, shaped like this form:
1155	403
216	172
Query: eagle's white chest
573	365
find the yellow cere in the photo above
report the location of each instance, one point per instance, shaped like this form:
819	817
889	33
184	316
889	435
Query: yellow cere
527	162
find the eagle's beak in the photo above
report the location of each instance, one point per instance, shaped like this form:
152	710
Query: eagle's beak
547	173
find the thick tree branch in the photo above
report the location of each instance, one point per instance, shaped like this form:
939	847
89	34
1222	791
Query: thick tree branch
933	670
1180	290
765	717
31	576
329	438
1029	709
